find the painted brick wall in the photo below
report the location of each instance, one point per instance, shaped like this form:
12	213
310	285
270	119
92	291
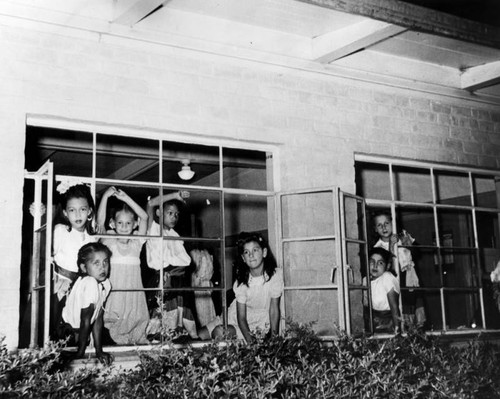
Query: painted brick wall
320	120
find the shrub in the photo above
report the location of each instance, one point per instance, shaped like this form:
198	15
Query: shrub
297	365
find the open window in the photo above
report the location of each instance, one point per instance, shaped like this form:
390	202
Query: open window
231	190
453	214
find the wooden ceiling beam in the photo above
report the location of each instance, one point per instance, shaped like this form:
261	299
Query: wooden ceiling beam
416	18
337	44
481	76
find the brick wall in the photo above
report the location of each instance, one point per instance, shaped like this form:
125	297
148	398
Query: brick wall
319	120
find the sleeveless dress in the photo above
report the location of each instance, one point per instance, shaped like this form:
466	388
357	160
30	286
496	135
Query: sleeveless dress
126	315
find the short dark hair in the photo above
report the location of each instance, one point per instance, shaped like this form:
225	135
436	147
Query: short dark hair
384	253
89	249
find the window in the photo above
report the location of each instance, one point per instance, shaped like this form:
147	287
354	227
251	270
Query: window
231	191
452	212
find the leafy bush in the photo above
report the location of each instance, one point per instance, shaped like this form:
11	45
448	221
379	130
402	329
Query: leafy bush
297	365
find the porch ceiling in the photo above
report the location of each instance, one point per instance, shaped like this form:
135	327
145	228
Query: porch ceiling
383	38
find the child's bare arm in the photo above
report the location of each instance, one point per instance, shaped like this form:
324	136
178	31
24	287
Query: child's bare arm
393	298
101	212
241	314
85	327
104	357
274	315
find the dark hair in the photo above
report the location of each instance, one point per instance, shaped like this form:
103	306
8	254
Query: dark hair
78	191
381	213
89	249
242	270
175	202
385	254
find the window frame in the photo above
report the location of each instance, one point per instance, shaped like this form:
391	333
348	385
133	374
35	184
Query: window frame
393	204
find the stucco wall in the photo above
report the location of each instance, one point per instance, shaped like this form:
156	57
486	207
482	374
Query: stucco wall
319	119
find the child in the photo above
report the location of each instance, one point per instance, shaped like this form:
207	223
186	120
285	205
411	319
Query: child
384	292
74	231
413	310
258	289
84	307
176	312
126	315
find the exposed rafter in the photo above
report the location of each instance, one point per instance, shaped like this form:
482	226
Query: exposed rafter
139	10
481	76
417	18
337	44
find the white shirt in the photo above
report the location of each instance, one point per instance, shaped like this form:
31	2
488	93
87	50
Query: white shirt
174	253
67	244
380	287
86	291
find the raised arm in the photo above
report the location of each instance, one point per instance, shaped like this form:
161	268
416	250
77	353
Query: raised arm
158	201
101	212
141	213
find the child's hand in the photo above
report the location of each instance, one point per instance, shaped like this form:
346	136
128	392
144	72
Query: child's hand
43	209
184	195
121	195
105	358
110	192
393	240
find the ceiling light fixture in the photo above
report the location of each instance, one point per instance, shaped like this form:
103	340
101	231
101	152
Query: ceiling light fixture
185	173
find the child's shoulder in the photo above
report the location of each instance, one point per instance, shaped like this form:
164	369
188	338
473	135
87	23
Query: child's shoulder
61	227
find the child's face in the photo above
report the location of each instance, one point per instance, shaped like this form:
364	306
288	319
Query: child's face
383	227
124	223
253	255
377	266
97	266
170	216
77	211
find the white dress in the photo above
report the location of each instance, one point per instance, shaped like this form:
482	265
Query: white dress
126	315
257	296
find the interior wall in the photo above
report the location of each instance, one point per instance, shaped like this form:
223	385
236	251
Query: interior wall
318	120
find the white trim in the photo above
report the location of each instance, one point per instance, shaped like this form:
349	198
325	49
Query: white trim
58	122
386	160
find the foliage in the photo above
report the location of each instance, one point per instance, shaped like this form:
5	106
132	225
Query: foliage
297	365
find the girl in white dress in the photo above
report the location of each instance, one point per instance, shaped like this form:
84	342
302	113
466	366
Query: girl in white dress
126	315
258	289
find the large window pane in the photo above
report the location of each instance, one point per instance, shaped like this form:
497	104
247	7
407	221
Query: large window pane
452	188
202	160
463	310
455	227
486	191
412	184
309	263
308	215
127	158
245	169
70	151
460	268
433	310
354	215
418	222
373	181
319	307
